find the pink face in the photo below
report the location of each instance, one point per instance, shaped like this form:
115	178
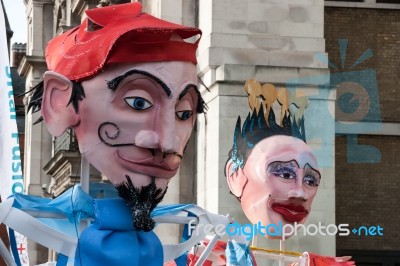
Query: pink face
282	180
138	128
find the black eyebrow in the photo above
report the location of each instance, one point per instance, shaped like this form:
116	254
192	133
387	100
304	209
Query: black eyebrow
201	105
113	84
186	89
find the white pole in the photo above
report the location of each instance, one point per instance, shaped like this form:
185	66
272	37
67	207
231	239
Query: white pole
85	174
281	248
6	254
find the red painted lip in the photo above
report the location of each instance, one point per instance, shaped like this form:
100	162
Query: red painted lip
291	212
165	169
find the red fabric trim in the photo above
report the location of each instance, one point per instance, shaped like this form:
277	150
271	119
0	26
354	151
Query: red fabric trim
153	52
319	260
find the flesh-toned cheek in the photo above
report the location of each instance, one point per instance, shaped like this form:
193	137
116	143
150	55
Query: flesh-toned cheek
184	140
255	207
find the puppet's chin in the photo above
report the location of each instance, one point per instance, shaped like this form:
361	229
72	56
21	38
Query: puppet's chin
141	201
120	175
142	180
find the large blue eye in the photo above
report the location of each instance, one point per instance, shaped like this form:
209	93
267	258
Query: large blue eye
184	115
138	103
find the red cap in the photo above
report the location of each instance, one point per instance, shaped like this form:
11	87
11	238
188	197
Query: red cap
118	33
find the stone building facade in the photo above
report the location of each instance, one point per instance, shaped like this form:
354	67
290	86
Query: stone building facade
281	42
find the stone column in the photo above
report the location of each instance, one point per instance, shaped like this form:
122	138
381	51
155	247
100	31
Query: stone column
280	42
38	142
40	14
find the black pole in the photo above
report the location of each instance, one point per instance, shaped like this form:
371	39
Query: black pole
8	28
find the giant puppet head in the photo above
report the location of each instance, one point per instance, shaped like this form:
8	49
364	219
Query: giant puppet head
126	82
270	169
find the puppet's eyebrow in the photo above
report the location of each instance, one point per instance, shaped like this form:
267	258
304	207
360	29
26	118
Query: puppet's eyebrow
113	84
186	90
275	164
310	168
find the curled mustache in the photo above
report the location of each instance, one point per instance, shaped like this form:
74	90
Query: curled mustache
141	201
108	132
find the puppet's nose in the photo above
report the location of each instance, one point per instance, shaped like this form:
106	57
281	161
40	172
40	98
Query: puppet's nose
163	138
147	139
297	191
166	129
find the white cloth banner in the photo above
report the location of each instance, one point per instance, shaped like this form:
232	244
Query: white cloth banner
11	180
10	157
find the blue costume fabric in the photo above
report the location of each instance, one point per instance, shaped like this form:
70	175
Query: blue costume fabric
111	238
113	234
238	254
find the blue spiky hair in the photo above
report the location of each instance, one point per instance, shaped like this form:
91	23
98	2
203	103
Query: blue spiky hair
256	128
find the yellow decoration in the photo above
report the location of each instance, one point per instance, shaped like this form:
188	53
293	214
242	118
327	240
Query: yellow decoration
274	251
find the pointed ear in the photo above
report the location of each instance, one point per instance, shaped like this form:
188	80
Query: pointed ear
236	180
57	113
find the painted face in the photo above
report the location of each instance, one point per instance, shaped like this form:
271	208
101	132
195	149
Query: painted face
282	181
135	120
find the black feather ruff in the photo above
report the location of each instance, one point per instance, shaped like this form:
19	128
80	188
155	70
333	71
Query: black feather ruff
141	201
